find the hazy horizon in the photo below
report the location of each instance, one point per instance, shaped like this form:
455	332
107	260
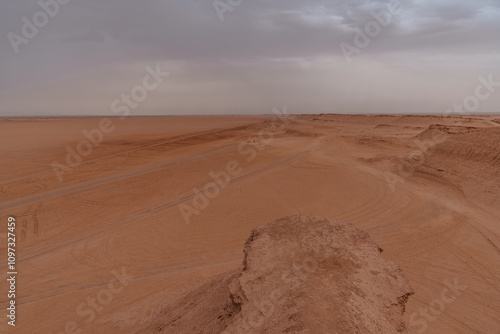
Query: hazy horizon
246	57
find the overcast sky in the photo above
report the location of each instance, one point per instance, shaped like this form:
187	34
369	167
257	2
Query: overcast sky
263	54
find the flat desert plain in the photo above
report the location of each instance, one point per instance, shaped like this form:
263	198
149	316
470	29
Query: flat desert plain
117	219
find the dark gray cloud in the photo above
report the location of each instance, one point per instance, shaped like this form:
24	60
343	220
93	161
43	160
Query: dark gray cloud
264	52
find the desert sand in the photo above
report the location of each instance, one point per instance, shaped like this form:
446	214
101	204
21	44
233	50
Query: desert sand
159	207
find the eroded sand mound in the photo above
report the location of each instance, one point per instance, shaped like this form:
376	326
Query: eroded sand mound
300	274
477	145
467	157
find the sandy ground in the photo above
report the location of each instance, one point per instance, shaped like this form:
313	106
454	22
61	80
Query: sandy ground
426	189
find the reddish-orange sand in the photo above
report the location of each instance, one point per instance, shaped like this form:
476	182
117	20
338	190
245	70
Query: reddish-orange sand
160	206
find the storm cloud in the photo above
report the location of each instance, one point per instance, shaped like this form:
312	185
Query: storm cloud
263	54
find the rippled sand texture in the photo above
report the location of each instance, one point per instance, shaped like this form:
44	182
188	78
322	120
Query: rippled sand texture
426	189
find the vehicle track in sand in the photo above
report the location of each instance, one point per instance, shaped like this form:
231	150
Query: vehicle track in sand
170	141
148	212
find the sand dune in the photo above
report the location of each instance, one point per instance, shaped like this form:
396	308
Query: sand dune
425	188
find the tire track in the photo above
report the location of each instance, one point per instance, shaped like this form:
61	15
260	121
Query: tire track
78	187
169	269
198	134
148	212
25	222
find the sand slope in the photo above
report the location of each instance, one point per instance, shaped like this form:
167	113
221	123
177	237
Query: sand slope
119	210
